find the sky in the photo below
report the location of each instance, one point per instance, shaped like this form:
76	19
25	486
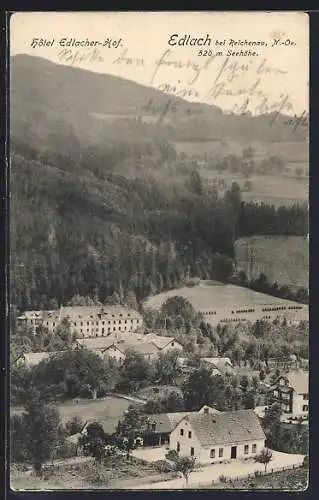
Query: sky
274	79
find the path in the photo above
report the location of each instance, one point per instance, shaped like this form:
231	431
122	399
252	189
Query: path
236	468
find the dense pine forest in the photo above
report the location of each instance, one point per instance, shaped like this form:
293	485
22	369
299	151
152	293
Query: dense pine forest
79	227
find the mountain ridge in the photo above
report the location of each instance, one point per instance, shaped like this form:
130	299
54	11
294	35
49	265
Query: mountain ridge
50	91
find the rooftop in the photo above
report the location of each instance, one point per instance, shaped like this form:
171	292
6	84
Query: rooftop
166	422
159	341
92	312
140	347
218	362
96	342
226	427
299	381
45	315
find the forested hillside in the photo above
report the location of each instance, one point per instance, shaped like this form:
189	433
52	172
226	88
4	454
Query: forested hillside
88	231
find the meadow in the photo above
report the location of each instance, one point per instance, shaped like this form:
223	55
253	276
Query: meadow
291	152
219	302
265	188
284	259
107	411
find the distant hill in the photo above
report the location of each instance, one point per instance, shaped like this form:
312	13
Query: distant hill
45	96
284	259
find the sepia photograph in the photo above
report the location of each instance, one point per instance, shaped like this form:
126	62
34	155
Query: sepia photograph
159	251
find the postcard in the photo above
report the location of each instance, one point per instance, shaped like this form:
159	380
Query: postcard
159	267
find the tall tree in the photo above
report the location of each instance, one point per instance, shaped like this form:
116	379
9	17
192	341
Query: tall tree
93	441
202	388
129	428
41	424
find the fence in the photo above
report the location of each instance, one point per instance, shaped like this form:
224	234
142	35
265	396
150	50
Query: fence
252	475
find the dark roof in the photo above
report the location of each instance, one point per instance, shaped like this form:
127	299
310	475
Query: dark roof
166	422
226	428
140	347
99	343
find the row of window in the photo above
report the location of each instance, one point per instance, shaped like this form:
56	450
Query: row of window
39	322
210	312
221	451
103	330
103	322
106	314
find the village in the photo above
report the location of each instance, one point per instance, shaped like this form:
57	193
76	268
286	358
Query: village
212	430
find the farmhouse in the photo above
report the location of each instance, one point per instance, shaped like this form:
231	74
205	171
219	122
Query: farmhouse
161	425
117	344
217	366
220	303
164	344
117	349
292	392
218	437
86	321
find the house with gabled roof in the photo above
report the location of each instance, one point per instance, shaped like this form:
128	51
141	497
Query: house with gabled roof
160	425
218	437
164	344
292	392
217	365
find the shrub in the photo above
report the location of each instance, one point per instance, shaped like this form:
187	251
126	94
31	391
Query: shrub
222	478
162	466
172	455
74	426
66	450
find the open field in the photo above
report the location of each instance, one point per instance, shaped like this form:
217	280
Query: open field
265	188
291	152
107	411
219	303
284	259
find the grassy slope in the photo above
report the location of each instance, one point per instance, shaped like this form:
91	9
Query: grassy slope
281	258
207	297
107	411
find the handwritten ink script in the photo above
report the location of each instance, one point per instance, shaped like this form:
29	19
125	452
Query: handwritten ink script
238	72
